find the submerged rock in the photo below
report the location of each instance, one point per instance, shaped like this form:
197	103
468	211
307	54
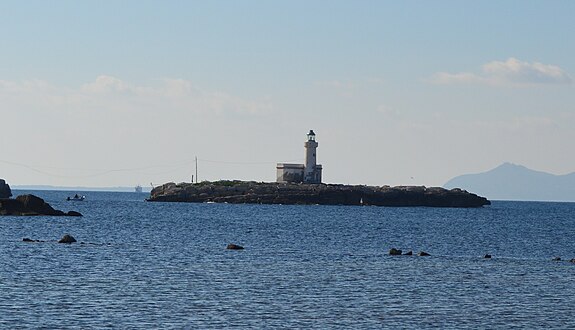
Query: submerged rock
557	259
74	214
29	240
234	247
487	256
408	253
67	239
423	254
394	252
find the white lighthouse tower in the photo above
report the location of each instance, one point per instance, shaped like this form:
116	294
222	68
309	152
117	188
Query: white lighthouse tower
312	171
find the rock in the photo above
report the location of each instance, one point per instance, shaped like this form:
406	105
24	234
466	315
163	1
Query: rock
572	260
408	253
487	256
234	247
32	240
74	214
245	192
68	239
557	259
30	205
5	191
423	254
35	204
394	252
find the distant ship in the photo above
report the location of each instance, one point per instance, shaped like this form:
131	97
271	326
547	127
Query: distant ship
138	189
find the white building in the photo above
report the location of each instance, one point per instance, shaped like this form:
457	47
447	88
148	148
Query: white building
310	172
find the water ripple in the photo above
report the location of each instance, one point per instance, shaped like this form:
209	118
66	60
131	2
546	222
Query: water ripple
165	266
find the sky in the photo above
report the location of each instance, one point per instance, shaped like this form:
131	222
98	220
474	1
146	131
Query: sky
120	93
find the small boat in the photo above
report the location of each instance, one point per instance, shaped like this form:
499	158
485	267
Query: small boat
76	198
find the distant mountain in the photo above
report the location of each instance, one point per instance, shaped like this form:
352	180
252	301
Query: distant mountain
515	182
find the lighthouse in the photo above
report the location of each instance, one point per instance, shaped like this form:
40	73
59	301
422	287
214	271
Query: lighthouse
310	172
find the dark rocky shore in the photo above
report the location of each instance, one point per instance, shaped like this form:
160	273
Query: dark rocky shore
30	205
323	194
27	205
5	191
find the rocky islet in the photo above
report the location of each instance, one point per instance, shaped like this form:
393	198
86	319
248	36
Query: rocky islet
30	205
243	192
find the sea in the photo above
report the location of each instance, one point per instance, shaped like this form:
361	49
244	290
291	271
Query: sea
144	265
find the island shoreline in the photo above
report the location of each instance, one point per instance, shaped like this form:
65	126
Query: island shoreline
250	192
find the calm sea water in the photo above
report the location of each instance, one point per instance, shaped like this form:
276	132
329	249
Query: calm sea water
161	265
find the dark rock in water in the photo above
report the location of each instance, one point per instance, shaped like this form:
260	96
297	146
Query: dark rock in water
29	205
572	260
29	240
68	239
5	191
408	253
423	254
557	259
487	256
36	205
323	194
234	247
394	252
74	214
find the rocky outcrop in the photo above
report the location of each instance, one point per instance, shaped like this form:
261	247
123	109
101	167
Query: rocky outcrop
234	247
29	240
30	205
324	194
5	191
67	239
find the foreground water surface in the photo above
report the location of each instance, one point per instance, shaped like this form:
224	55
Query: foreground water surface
164	265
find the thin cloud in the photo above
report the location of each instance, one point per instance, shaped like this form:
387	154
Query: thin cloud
342	88
510	72
338	84
108	92
457	78
388	111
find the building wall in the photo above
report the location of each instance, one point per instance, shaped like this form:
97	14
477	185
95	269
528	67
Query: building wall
315	176
290	173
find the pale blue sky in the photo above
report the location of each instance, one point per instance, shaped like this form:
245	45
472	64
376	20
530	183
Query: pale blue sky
106	93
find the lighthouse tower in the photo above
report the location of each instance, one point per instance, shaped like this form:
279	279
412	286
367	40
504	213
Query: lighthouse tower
312	171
